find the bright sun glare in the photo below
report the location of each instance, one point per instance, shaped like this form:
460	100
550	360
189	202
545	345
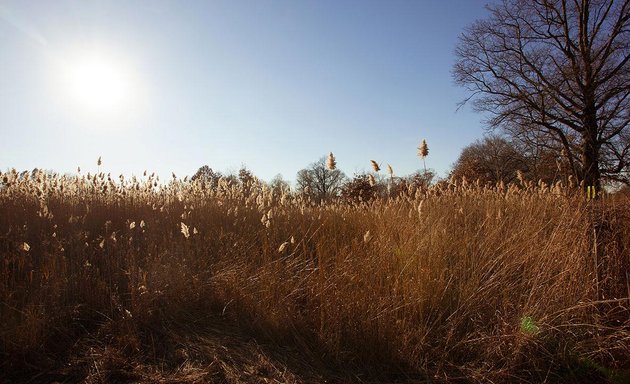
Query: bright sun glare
97	84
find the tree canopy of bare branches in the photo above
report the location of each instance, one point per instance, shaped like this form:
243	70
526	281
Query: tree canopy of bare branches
318	182
555	71
496	159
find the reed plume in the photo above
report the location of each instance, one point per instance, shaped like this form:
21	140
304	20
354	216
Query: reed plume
423	152
331	163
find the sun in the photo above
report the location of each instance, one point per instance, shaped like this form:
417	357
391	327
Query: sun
100	89
97	84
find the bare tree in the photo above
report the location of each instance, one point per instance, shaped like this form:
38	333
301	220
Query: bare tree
496	159
491	160
206	177
359	189
279	185
248	181
318	182
419	180
556	71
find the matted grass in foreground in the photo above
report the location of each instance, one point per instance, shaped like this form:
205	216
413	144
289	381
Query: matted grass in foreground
126	281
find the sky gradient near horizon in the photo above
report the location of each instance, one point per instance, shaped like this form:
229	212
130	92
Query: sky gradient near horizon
271	85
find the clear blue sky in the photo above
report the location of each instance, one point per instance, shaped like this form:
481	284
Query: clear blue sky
273	85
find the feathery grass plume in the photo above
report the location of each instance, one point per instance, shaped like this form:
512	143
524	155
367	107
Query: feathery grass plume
390	171
367	237
265	220
423	149
371	180
99	161
184	230
283	246
25	247
375	166
423	152
331	163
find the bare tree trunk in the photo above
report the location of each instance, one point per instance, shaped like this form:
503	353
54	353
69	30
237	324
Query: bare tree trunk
590	148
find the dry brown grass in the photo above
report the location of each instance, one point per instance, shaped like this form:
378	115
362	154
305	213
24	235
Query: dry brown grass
108	280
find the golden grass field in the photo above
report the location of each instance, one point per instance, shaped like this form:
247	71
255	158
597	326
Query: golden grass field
106	281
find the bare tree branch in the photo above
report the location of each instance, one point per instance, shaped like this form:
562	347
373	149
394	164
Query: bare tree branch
559	68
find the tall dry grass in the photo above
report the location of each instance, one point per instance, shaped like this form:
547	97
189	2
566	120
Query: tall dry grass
521	283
